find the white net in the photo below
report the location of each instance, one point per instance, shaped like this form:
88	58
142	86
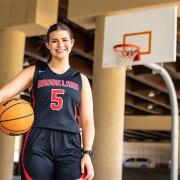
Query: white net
126	54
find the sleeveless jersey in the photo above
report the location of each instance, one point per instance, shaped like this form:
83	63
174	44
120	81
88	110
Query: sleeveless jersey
55	98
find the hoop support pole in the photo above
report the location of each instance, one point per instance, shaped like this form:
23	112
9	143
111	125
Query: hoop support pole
175	116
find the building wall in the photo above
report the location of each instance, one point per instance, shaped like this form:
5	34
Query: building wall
156	152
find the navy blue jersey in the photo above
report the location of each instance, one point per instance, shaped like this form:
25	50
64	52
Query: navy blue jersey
55	98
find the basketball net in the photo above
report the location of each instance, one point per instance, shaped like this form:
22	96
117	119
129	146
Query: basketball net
126	54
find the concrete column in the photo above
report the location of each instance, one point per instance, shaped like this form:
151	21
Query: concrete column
179	154
12	45
109	93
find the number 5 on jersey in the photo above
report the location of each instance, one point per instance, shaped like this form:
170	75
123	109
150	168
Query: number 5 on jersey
56	101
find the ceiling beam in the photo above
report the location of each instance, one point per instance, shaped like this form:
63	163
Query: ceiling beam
142	91
84	66
172	69
148	122
142	105
154	81
166	135
144	134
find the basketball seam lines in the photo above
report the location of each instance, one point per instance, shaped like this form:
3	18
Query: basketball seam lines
16	118
13	131
12	106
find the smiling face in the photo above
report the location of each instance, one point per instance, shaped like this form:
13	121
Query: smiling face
60	44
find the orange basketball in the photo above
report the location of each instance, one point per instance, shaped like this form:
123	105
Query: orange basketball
16	116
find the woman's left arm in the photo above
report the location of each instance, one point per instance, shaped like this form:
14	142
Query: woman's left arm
87	124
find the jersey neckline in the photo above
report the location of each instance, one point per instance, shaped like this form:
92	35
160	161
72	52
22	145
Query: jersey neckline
58	74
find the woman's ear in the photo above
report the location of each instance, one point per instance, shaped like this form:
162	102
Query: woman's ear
47	45
72	42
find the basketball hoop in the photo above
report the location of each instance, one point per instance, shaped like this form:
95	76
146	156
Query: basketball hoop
126	54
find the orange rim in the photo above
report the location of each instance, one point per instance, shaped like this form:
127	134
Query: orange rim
137	58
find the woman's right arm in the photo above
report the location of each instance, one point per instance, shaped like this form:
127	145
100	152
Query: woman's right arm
22	81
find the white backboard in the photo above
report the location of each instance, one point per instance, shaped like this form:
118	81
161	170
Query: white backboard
154	31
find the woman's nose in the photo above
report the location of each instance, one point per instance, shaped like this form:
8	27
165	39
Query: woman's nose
60	43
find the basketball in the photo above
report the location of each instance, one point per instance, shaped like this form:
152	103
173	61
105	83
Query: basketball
16	116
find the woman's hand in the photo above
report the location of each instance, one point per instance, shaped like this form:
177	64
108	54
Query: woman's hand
87	167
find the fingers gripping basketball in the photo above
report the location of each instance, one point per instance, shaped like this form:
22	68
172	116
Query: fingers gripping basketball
16	116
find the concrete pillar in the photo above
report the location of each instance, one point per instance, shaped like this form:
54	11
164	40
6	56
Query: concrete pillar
12	45
179	154
109	94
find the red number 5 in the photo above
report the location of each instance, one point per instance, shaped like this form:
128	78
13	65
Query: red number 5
56	102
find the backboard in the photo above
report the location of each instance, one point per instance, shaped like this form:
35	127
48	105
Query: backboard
154	31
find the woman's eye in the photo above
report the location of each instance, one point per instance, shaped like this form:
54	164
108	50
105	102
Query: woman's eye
54	41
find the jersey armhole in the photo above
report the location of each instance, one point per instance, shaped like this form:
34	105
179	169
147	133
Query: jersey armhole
81	81
34	78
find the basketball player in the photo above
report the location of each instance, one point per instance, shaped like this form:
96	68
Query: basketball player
52	148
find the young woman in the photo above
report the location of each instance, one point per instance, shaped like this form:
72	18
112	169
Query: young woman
52	148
